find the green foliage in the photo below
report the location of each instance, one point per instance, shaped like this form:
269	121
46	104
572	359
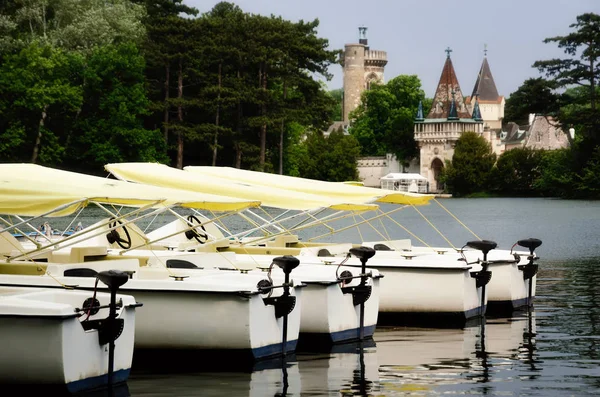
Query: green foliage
516	171
556	176
533	96
295	150
588	185
471	164
571	174
39	85
384	123
337	95
71	24
12	141
115	101
582	68
329	159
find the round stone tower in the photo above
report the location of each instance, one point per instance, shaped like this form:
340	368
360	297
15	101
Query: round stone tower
362	66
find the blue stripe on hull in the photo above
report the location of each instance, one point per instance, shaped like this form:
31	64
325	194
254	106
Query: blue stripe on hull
274	349
507	307
352	334
476	312
98	382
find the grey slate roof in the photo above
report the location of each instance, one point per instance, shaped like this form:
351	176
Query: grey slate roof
485	87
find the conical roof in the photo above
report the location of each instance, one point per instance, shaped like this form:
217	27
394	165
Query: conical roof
485	87
448	88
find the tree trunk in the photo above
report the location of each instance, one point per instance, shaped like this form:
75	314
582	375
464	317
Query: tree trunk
238	131
592	85
166	114
263	128
238	156
38	140
281	134
180	116
216	142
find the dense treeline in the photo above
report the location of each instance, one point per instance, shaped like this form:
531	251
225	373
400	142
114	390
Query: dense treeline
86	83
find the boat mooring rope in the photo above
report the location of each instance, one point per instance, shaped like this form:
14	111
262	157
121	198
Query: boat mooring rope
458	220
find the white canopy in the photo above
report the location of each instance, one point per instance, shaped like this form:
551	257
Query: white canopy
270	195
34	190
331	190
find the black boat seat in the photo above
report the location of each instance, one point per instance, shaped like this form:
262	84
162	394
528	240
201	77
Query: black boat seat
180	264
382	247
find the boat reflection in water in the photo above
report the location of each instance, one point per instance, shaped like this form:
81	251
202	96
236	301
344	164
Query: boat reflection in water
418	360
480	359
276	377
346	370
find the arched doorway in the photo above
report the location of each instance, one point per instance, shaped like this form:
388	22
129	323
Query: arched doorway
437	166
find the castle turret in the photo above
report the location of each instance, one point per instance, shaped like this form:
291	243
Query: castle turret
362	66
491	104
448	91
354	71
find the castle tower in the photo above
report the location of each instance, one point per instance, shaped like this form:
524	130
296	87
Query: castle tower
362	66
448	118
491	104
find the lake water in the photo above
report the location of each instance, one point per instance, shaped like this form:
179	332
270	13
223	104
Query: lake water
554	350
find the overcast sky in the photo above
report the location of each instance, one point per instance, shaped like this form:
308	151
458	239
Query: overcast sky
415	33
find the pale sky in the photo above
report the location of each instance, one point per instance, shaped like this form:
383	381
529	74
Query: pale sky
415	33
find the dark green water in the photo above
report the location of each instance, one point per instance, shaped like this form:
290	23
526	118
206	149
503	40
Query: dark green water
552	351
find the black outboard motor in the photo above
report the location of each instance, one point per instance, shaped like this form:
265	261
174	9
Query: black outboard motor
285	303
483	276
530	269
113	326
361	292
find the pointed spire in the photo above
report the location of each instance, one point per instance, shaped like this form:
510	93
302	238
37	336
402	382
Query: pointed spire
420	112
477	111
442	99
485	87
453	114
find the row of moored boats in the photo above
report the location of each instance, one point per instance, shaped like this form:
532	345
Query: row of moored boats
74	307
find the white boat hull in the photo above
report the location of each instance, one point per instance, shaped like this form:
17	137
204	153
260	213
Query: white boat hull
328	314
507	290
211	311
54	349
214	322
419	291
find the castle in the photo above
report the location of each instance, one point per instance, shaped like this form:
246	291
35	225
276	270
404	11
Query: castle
450	115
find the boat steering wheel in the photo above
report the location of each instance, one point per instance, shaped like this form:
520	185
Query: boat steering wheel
194	233
114	237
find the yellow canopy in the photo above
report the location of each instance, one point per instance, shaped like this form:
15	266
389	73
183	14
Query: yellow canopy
333	190
33	190
270	196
